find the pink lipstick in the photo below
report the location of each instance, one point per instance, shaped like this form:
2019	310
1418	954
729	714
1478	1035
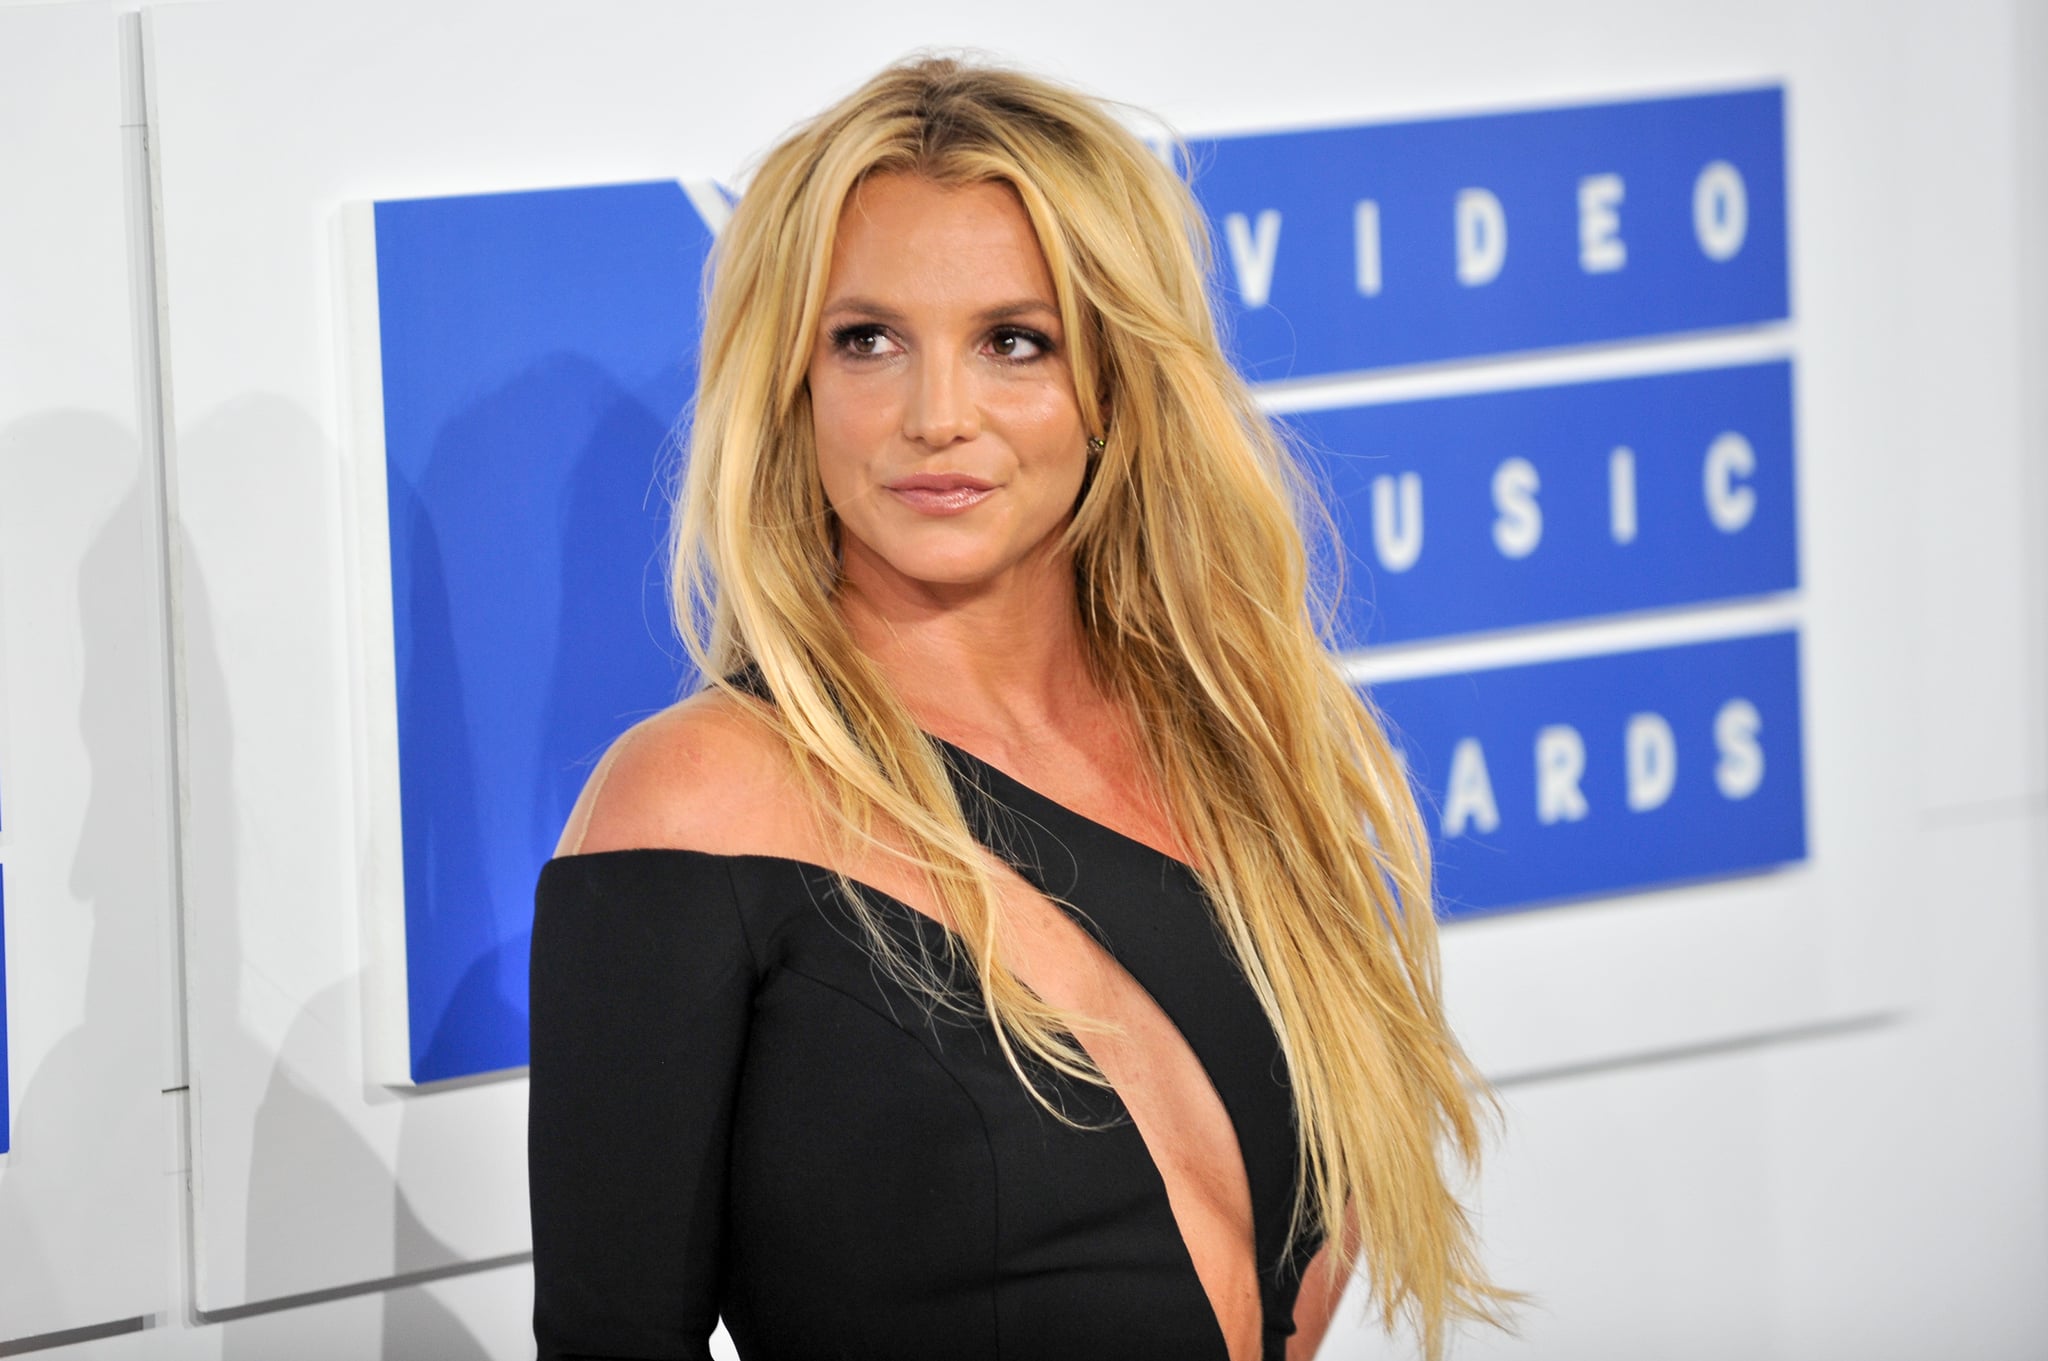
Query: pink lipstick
940	493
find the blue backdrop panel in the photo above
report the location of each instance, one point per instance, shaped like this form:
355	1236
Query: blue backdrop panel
536	350
1502	232
1484	512
6	1113
537	346
1604	773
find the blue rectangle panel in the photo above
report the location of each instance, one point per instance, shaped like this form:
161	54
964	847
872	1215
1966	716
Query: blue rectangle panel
1608	773
536	350
537	346
1462	514
1351	248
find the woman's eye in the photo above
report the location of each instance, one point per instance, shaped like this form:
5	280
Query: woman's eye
1019	345
863	342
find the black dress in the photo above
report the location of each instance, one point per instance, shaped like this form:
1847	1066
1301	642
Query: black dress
734	1113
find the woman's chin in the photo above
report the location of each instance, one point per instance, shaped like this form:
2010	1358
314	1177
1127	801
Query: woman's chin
950	562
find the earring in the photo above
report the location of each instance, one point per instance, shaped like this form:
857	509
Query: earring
1096	445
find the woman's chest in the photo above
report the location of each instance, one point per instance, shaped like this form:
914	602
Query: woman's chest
876	1129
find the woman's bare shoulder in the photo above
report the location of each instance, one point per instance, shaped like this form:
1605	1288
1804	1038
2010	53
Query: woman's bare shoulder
707	774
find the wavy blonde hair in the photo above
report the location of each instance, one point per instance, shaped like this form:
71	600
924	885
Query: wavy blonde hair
1195	604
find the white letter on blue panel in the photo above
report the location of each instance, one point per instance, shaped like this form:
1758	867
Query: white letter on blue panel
1730	504
1652	761
1482	237
1468	800
1601	249
1741	767
1518	526
1252	253
1720	211
1365	226
1621	494
1560	761
1397	527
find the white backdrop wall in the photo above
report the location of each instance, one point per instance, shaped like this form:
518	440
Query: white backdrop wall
85	806
1795	1116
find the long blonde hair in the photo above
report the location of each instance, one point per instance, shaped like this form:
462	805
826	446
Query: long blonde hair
1195	601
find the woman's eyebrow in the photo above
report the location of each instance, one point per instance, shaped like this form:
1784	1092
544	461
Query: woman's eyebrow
864	307
1008	311
1002	311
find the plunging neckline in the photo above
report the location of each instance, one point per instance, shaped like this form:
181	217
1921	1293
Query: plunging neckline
924	921
1074	912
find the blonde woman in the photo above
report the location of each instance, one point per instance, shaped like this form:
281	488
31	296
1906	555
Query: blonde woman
1021	945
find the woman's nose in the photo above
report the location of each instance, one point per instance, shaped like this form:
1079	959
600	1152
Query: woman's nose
942	409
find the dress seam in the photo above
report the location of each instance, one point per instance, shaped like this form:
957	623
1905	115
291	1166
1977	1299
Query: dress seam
740	919
980	1118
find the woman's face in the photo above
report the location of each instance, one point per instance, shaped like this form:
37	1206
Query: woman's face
949	439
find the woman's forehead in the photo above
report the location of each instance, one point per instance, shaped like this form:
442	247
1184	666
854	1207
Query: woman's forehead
917	238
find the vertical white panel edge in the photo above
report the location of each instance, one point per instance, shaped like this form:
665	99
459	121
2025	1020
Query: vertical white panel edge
190	1225
372	655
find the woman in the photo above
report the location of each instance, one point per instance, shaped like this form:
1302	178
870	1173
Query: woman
1022	947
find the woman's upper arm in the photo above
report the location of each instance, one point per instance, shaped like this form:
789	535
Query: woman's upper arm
641	985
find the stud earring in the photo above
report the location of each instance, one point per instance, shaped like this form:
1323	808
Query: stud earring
1096	445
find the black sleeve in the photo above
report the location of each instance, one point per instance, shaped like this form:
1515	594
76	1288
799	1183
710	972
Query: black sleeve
641	986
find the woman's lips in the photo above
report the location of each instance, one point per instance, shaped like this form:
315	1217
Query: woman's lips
940	493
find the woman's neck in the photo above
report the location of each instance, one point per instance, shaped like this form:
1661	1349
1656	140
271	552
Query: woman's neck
1002	663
